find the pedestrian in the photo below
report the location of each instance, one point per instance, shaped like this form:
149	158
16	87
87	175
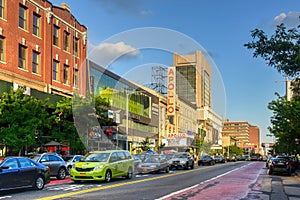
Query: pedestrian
296	161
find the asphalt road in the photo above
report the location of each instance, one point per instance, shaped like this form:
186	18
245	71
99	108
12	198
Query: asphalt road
141	187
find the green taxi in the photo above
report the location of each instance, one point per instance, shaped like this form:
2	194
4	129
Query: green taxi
103	166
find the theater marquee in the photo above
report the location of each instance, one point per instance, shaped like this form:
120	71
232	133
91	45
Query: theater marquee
171	91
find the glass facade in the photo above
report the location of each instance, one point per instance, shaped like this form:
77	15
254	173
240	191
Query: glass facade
186	83
115	91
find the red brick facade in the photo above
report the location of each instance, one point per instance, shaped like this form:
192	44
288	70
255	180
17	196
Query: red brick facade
27	40
247	136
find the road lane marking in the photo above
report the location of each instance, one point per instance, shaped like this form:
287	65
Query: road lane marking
116	185
119	184
191	187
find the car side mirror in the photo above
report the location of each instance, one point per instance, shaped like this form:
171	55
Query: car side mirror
43	160
4	167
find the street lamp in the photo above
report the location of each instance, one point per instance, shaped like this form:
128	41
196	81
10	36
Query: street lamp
127	113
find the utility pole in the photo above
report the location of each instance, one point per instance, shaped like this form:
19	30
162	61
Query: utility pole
287	87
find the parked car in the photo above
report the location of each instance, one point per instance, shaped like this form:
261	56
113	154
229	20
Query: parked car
136	161
56	164
169	158
71	160
232	158
143	156
183	160
153	164
255	157
22	172
269	161
206	160
219	159
281	165
103	165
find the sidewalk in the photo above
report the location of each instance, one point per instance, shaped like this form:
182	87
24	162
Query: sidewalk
276	187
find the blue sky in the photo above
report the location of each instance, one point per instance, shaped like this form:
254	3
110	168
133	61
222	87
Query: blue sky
219	27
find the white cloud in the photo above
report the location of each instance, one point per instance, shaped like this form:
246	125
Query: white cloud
146	12
106	53
291	19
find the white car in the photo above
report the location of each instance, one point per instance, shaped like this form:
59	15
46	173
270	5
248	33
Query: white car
71	160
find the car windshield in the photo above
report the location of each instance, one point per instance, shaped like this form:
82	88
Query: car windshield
36	158
152	159
96	157
180	156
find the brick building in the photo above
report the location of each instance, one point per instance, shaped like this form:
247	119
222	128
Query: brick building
247	136
42	47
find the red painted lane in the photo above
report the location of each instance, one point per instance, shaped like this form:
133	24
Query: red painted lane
55	181
233	185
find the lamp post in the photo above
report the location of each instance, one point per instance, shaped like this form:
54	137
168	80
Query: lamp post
127	113
127	108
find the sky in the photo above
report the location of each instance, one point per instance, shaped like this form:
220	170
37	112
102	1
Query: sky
146	33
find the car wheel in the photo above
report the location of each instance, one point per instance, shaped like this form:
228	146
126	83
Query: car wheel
39	183
167	169
270	172
130	173
192	166
186	166
69	169
108	176
61	174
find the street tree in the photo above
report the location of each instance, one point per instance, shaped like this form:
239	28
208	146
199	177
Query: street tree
21	116
282	52
64	129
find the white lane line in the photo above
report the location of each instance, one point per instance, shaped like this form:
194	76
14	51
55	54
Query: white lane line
185	189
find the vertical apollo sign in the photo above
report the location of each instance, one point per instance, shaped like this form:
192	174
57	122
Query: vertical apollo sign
171	91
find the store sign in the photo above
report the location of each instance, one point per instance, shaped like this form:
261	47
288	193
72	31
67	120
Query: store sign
171	91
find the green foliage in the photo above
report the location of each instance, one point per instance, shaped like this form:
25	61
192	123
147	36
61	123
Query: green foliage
205	147
281	50
145	144
102	106
285	123
64	129
235	150
20	117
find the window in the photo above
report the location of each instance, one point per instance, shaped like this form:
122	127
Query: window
2	8
75	78
22	57
76	40
36	24
56	35
2	48
55	70
66	41
66	74
36	62
23	17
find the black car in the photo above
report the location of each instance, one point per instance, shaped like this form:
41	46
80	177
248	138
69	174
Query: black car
182	160
219	159
281	165
22	172
206	160
57	165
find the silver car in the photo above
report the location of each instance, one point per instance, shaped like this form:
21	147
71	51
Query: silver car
56	164
71	160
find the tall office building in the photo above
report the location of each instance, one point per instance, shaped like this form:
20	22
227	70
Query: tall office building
194	83
193	78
